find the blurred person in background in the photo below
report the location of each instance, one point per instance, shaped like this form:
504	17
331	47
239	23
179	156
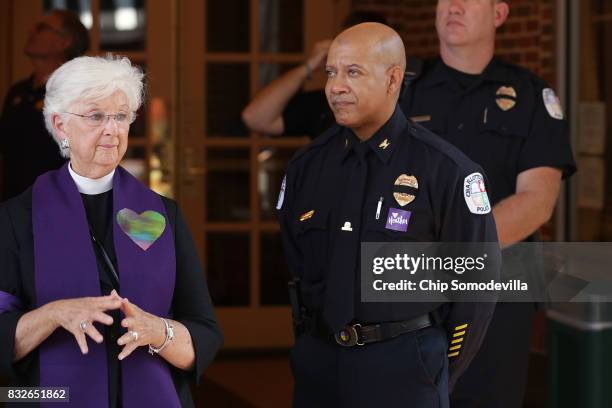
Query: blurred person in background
56	38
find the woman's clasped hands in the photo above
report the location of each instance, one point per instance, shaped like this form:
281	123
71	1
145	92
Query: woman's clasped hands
77	316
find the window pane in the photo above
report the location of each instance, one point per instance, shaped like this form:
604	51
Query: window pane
227	268
274	271
227	182
122	25
135	162
138	128
280	25
81	7
227	87
228	25
162	166
272	165
269	72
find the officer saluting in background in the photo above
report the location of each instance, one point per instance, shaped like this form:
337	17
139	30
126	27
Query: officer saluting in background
340	191
511	123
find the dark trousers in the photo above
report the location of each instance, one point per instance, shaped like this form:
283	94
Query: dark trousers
497	376
410	370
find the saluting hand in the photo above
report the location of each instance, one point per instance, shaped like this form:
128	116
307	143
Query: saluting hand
319	54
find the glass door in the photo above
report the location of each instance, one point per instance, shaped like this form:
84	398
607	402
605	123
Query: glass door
229	177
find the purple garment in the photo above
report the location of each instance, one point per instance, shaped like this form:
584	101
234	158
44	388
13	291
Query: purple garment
8	302
65	267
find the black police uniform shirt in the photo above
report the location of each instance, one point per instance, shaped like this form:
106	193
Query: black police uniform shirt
27	148
506	119
307	114
328	205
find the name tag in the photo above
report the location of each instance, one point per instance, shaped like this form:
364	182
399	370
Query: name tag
422	118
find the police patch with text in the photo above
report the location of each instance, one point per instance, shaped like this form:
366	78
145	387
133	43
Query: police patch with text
475	194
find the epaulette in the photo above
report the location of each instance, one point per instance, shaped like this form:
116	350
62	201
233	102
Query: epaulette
317	143
436	142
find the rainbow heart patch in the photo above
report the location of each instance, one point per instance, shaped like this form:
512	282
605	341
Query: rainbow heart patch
144	229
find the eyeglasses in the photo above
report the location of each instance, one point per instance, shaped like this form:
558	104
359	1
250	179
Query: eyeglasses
98	119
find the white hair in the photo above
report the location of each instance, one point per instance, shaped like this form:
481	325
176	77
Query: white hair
91	79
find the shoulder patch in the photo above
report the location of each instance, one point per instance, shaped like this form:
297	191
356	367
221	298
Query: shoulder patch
281	194
551	101
475	194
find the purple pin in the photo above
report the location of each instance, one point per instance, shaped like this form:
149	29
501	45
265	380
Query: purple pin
397	220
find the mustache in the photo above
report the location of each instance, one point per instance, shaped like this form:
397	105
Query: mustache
340	99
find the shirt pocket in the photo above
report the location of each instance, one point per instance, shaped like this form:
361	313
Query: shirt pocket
502	137
512	123
434	123
312	238
376	231
421	225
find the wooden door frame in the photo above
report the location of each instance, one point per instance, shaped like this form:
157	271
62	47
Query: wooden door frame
6	46
254	326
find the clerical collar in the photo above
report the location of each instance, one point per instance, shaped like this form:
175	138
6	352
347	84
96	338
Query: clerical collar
92	186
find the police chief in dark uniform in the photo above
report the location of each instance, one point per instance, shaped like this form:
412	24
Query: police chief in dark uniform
340	191
27	150
511	123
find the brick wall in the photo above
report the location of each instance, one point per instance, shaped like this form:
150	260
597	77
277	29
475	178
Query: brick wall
527	38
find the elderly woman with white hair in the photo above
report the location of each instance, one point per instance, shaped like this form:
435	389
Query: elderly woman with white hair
90	254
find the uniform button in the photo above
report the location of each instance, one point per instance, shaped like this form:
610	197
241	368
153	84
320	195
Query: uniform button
460	126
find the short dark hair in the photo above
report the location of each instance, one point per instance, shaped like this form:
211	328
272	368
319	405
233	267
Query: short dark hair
363	16
79	36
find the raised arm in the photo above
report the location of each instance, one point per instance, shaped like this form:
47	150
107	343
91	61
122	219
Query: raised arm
265	112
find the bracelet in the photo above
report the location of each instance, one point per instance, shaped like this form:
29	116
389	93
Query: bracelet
308	70
169	338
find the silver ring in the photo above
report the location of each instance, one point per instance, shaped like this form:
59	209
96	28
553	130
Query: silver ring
83	325
134	335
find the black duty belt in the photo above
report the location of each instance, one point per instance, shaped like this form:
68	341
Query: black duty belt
359	335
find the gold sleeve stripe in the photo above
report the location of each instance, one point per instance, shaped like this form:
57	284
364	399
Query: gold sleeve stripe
455	354
459	334
463	326
457	347
459	340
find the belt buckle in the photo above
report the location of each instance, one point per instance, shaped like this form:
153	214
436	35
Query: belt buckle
348	337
